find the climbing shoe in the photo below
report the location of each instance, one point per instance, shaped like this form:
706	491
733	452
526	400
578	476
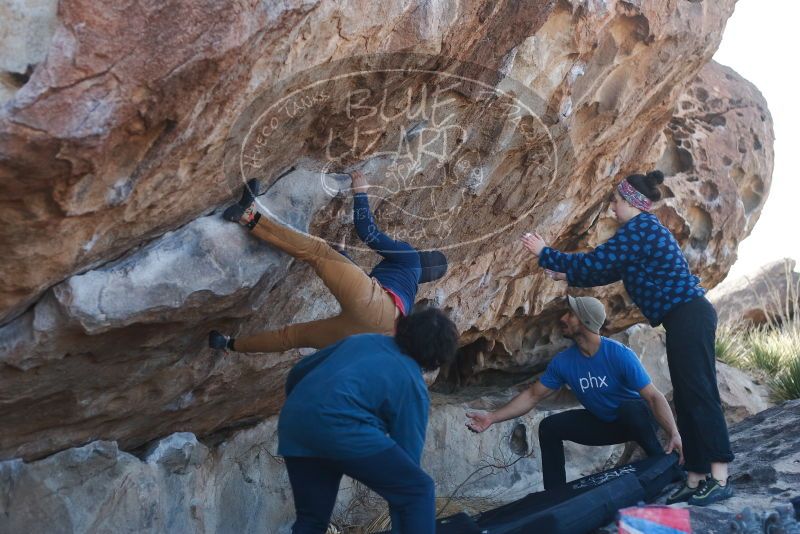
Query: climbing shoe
219	341
683	493
710	493
244	212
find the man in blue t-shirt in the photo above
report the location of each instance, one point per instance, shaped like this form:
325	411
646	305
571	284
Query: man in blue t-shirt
608	379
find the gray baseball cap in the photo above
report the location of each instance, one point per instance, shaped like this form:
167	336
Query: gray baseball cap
590	312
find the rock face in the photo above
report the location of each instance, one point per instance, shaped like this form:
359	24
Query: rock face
235	483
769	295
181	485
766	470
765	473
177	486
27	29
115	155
721	125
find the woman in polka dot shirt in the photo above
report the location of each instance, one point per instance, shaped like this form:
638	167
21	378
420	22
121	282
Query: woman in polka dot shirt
647	258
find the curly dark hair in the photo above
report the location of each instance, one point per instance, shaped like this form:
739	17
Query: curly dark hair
428	336
647	184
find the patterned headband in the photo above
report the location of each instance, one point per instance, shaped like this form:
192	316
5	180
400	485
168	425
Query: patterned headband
634	197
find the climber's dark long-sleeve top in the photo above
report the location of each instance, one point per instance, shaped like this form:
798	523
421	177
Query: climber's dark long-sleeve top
400	269
645	256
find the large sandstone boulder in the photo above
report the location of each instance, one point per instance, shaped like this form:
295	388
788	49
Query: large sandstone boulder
767	296
233	482
116	155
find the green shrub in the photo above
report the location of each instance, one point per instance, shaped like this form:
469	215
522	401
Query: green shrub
786	386
766	350
730	346
772	351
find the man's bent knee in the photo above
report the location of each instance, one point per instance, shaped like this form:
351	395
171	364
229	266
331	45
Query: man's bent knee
633	410
547	425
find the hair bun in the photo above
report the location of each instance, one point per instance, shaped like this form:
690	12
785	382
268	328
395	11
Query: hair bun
656	176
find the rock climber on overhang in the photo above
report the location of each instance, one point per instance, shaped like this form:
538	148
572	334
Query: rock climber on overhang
370	303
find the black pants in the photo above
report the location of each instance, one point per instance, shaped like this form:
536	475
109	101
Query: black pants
691	330
391	474
634	422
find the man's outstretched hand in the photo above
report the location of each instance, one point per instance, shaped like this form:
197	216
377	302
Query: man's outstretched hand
675	444
359	182
479	421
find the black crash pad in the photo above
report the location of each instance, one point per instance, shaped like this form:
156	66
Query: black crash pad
581	506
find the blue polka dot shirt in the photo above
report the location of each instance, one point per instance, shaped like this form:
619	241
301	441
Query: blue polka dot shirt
645	256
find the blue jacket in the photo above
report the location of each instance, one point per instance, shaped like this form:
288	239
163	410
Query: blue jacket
400	268
352	399
645	256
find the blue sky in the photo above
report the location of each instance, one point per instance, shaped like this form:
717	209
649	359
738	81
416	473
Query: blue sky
761	43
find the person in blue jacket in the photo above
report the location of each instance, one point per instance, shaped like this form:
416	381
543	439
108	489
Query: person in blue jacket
369	302
360	408
649	261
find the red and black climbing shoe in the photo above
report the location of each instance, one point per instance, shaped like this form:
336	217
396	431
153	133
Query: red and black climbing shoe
244	212
219	341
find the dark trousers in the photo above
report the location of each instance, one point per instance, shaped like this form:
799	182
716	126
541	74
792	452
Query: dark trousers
691	330
391	474
634	422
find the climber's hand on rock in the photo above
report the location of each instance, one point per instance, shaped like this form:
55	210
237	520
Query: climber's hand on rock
479	421
359	184
554	275
534	242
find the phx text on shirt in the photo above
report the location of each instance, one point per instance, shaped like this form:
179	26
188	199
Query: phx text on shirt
592	382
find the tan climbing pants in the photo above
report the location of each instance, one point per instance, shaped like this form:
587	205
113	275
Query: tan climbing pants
366	306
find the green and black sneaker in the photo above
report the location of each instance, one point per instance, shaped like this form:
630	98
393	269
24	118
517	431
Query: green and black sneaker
684	493
711	492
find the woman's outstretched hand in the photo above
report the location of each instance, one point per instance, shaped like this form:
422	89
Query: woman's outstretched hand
534	242
359	182
554	275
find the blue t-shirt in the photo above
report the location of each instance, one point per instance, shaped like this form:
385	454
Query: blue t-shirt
400	268
601	382
645	256
352	399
